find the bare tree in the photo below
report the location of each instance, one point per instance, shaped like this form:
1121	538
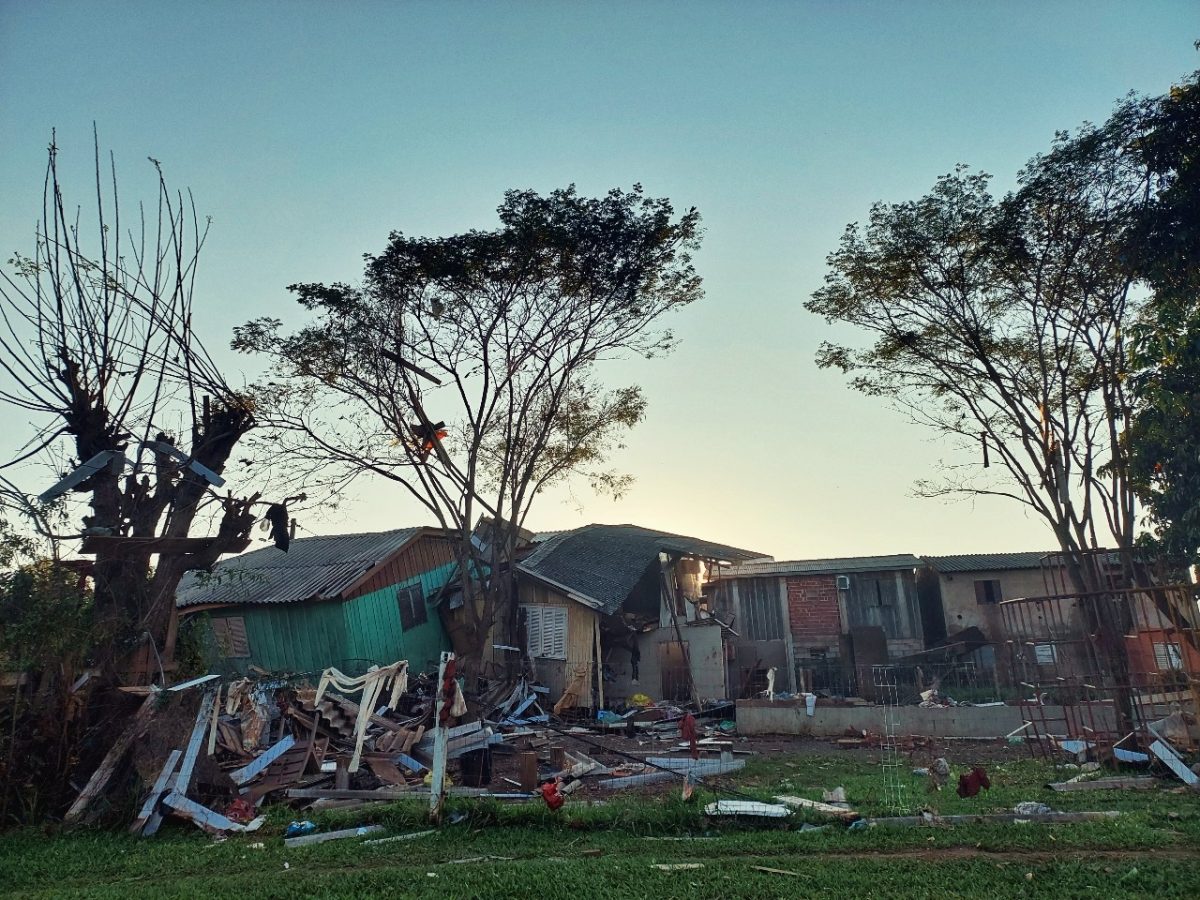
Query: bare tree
99	351
465	369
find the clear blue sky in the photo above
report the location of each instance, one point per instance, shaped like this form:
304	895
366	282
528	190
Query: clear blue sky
309	130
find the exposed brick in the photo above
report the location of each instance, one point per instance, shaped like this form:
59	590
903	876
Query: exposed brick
813	608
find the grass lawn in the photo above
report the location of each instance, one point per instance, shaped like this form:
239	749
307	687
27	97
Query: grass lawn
612	850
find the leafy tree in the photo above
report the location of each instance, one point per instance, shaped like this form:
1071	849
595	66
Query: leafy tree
1001	325
1164	249
466	368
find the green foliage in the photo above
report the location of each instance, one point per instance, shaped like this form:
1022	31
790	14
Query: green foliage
1004	322
1164	248
45	616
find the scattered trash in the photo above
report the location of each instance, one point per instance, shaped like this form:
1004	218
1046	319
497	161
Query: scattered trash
747	808
1031	808
296	829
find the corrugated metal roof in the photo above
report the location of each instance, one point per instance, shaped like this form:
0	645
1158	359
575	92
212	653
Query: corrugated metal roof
314	568
987	562
600	565
840	566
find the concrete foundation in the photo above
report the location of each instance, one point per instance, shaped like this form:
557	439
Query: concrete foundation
790	717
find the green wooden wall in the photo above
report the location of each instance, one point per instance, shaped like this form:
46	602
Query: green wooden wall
352	635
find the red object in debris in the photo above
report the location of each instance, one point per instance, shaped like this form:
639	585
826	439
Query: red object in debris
687	730
551	795
969	783
241	811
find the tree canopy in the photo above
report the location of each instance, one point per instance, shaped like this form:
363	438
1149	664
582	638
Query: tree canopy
1000	323
467	369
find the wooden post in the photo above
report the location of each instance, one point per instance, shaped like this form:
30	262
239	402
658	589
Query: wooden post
341	775
558	758
599	662
437	784
529	771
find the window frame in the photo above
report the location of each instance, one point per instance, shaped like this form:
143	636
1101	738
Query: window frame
546	629
410	601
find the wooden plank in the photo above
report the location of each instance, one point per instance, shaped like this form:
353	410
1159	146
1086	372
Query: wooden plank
528	772
1107	784
826	809
183	780
112	759
305	840
1172	761
216	719
156	792
394	793
244	774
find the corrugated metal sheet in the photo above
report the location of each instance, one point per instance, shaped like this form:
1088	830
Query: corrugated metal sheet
315	568
987	562
842	566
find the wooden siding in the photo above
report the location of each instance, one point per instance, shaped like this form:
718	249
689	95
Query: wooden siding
581	640
352	634
425	554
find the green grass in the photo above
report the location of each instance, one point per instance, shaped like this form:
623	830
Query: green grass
1152	849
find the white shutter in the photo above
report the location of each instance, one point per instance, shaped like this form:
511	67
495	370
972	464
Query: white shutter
554	630
546	631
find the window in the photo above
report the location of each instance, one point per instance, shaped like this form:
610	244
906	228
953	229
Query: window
230	633
546	630
987	591
411	601
1045	654
1167	655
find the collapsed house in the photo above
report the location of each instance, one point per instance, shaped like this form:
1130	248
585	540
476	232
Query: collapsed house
613	611
349	600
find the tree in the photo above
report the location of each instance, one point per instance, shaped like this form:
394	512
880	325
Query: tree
466	368
98	347
1164	249
1001	324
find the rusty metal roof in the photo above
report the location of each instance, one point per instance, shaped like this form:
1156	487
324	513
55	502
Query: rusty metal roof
314	568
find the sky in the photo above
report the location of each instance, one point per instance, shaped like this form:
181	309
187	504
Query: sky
310	130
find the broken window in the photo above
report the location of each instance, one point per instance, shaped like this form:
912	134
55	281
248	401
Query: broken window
230	634
546	630
987	591
1167	655
411	601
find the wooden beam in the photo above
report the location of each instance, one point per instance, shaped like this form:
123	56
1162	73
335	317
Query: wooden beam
1107	784
244	774
112	759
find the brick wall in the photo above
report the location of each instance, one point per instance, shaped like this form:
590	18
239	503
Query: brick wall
813	611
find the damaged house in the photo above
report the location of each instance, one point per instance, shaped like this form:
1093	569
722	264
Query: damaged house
348	600
612	611
822	623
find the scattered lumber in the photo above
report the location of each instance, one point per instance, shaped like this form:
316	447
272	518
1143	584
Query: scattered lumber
100	778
